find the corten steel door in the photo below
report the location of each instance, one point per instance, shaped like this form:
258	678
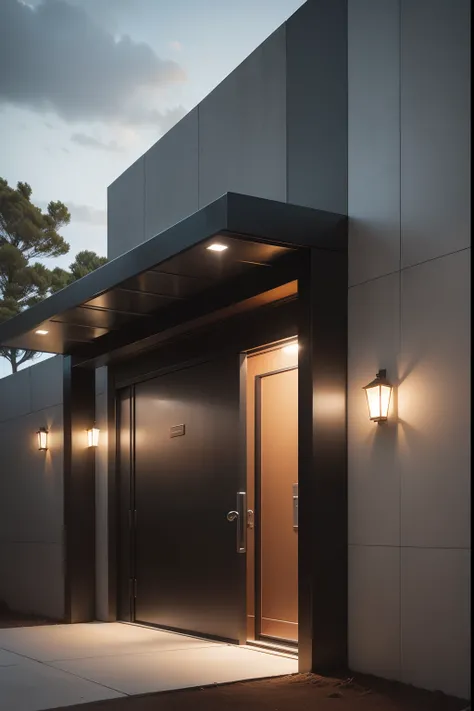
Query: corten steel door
189	572
277	487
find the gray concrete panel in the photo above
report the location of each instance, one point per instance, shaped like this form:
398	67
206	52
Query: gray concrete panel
434	405
374	138
242	128
101	376
317	105
126	210
435	122
15	395
32	577
436	617
31	482
46	381
373	469
171	176
374	610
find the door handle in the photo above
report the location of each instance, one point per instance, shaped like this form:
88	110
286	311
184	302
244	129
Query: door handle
240	516
250	518
295	507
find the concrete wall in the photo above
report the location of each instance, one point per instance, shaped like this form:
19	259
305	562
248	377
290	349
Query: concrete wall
31	491
317	105
370	116
409	296
234	140
242	128
260	132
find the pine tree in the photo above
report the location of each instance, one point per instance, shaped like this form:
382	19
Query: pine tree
26	234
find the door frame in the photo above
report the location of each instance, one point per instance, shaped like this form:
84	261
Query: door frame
319	317
272	325
257	538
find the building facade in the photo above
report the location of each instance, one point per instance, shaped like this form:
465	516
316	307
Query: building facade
359	109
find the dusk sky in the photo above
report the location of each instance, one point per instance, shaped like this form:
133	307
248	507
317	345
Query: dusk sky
87	86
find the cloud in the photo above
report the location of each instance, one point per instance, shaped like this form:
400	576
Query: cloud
163	119
171	117
177	46
66	63
82	139
87	213
81	213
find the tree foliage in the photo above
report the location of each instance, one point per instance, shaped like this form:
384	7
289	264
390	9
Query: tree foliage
28	234
84	263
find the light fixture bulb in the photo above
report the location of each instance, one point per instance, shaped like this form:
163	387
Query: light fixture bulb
217	247
42	439
41	332
93	437
378	394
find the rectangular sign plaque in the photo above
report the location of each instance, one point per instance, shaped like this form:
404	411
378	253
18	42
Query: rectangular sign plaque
177	431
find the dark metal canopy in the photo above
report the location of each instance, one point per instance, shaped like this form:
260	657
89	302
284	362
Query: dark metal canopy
174	278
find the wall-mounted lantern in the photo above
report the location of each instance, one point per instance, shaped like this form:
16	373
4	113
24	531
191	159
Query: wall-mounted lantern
42	439
93	437
378	394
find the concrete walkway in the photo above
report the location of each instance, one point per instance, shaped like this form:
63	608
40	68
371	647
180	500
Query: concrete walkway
61	665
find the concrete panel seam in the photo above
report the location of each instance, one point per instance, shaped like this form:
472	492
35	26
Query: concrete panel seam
369	281
434	259
198	155
411	266
144	195
31	412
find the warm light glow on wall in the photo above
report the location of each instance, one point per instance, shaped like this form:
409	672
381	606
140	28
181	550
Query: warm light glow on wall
93	437
378	394
42	439
291	348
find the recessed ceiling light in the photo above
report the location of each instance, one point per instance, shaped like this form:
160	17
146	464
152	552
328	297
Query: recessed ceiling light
216	247
41	332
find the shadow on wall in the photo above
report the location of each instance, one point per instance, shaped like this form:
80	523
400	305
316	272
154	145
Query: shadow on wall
12	618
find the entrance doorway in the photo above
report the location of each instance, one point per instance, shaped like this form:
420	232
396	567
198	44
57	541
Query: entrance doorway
208	468
272	483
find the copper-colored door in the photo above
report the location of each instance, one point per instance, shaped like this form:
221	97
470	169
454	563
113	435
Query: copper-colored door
277	479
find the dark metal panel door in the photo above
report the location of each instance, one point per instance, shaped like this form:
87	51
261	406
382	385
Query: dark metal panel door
190	575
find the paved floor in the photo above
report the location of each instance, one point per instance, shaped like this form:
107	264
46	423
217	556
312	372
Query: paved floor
61	665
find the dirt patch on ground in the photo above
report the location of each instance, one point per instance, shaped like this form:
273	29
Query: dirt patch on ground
10	618
299	692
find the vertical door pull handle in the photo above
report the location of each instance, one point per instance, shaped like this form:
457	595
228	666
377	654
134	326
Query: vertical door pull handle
240	515
242	522
295	507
